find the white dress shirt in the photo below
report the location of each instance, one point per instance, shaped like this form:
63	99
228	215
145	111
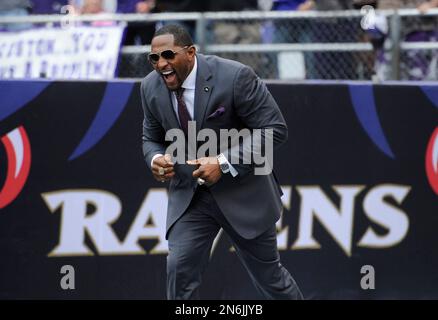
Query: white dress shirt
189	86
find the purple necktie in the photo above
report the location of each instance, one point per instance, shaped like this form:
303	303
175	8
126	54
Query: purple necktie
183	113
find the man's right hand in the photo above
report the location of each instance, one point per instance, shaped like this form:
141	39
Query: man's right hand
162	168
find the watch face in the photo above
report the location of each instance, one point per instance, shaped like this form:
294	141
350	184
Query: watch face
223	164
224	167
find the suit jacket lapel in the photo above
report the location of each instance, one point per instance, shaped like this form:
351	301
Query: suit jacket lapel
203	90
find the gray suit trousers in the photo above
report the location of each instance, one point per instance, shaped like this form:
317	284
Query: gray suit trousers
190	241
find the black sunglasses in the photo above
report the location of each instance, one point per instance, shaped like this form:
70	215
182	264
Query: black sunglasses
166	54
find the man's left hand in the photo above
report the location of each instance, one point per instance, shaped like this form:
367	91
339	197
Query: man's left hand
208	169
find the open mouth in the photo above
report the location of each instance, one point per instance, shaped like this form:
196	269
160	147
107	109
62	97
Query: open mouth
169	76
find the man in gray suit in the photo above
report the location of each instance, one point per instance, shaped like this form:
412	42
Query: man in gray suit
212	192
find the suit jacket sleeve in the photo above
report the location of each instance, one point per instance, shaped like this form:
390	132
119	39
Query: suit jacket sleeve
153	136
256	107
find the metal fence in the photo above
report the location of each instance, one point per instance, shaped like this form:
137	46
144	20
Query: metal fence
298	45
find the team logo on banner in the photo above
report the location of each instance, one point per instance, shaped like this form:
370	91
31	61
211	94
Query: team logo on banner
432	161
18	153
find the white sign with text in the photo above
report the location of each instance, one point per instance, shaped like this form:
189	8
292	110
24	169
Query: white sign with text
84	52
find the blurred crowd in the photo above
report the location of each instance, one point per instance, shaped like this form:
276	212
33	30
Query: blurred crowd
275	31
25	7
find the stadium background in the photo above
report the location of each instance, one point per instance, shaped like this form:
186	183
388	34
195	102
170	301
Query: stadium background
359	171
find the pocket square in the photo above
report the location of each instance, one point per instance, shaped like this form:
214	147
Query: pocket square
218	112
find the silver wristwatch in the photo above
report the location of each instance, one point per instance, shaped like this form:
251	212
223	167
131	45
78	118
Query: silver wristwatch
223	163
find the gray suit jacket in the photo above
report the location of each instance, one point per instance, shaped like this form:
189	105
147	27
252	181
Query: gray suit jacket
251	203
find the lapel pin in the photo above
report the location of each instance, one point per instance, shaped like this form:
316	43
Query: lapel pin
206	89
